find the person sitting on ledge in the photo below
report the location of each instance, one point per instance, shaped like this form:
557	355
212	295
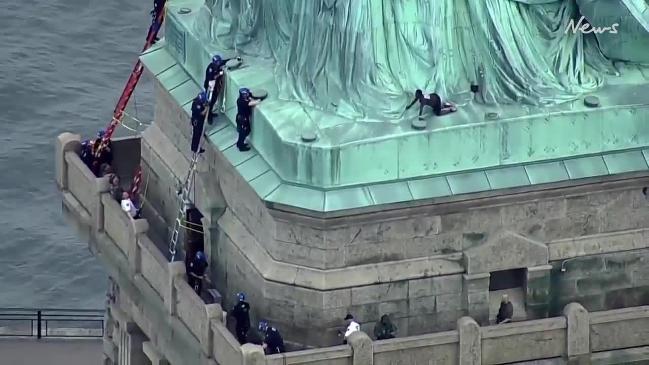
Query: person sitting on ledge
128	206
352	326
384	328
115	188
273	341
196	272
432	100
241	313
506	311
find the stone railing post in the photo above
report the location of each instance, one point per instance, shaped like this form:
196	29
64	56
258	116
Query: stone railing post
65	142
578	334
253	355
213	311
470	341
101	186
136	228
176	271
362	348
475	292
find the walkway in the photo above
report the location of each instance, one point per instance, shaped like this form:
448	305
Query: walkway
51	351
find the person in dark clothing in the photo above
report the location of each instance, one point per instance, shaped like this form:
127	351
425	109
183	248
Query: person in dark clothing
158	7
86	153
432	100
245	103
199	109
384	328
196	272
506	311
273	341
214	72
241	313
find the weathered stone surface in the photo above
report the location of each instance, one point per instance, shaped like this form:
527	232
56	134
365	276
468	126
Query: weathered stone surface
363	352
422	305
476	282
578	338
470	341
253	355
379	293
448	302
435	286
503	251
396	308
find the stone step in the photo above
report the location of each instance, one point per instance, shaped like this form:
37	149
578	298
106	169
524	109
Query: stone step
635	356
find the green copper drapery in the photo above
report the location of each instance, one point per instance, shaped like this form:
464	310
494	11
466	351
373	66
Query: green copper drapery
364	58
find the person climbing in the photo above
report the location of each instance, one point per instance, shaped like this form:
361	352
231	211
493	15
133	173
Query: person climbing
245	103
196	272
199	108
432	100
214	72
158	7
506	310
273	342
384	328
241	313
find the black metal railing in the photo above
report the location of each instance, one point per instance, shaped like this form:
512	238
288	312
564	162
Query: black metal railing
47	322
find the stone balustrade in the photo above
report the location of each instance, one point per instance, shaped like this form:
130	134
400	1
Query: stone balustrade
575	335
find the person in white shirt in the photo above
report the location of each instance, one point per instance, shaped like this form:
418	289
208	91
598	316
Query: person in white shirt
128	206
352	326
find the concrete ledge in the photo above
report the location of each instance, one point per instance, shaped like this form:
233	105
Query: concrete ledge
65	142
595	244
519	328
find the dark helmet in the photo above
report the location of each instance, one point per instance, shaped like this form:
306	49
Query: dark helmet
202	97
241	296
101	133
419	92
244	91
217	59
200	256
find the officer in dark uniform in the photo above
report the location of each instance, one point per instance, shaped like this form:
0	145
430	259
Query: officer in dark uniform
196	271
241	313
245	103
199	108
273	341
214	72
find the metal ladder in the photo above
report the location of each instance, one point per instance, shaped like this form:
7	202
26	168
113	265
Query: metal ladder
187	185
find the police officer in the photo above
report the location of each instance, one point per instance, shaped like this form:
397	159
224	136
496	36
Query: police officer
241	313
199	109
273	341
214	72
245	103
196	271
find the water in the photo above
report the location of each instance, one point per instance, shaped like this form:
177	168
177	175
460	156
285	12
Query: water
63	64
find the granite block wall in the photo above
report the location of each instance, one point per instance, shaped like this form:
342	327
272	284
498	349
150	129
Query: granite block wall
418	305
602	282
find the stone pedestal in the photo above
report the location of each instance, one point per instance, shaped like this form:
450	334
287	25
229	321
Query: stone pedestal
578	335
475	291
537	291
470	351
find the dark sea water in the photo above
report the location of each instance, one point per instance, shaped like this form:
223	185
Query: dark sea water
63	64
